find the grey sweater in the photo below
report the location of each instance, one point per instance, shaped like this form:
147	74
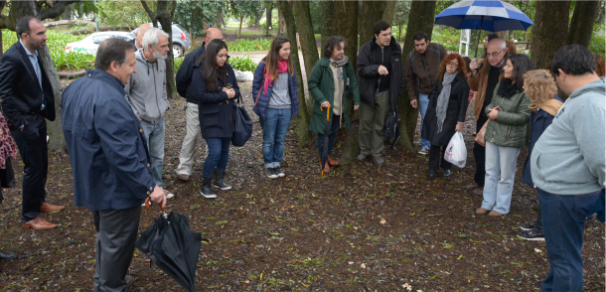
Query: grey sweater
146	91
570	156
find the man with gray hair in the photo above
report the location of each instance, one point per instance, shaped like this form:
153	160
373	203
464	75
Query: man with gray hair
146	94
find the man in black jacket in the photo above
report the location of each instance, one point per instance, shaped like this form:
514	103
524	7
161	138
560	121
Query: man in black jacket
27	98
183	80
380	76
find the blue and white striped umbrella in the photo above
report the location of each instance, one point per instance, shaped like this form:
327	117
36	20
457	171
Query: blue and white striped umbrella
488	15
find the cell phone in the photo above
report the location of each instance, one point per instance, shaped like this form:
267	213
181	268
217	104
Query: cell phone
229	86
498	108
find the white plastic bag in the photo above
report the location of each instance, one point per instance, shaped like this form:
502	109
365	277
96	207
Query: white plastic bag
456	152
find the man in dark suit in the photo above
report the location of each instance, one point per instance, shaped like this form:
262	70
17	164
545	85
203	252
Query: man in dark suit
27	99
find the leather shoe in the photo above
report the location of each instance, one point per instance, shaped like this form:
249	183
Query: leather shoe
481	211
362	156
7	256
494	213
129	280
39	224
431	173
183	177
46	207
446	173
332	162
326	166
479	192
472	186
378	160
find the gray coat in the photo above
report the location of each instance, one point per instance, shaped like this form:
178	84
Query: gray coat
146	91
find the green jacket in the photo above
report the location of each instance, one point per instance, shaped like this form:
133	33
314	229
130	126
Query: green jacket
322	88
509	129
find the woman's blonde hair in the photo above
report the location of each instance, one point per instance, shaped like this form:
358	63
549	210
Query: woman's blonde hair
539	85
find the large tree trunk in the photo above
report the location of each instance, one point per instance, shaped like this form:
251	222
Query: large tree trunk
373	13
268	9
326	29
281	22
303	116
166	12
420	18
581	26
550	32
389	12
307	40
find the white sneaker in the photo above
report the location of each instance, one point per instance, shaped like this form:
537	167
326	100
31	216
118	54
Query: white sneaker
169	196
424	151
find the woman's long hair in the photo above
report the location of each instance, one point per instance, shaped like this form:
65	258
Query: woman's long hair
211	72
454	56
521	65
271	61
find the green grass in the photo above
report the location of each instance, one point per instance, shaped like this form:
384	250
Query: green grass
244	45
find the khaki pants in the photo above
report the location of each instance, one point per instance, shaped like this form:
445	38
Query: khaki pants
372	120
186	158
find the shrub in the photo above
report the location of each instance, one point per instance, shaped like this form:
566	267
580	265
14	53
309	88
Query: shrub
243	63
244	45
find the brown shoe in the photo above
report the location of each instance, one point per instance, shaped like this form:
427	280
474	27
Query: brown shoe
332	162
46	207
481	211
183	177
494	213
129	280
478	192
326	167
39	224
472	186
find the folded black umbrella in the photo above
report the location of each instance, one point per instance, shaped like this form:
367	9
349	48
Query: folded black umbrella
173	247
324	146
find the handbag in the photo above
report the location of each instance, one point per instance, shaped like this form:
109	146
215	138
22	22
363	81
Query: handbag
243	126
480	135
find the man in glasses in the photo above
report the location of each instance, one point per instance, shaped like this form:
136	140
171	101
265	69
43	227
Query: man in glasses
483	79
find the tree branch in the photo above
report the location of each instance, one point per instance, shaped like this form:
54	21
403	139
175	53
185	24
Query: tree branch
56	10
149	11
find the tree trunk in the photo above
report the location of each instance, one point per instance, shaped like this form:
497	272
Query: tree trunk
581	25
326	29
268	16
219	20
389	12
308	41
281	22
420	18
373	13
240	30
303	116
550	32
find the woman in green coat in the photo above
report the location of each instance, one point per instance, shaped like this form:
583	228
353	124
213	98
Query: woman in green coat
332	81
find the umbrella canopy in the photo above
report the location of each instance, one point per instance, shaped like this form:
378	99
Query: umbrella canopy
488	15
324	147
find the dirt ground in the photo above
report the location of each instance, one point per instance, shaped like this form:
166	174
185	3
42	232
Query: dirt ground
365	229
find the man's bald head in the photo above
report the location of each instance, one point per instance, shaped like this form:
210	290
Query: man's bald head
211	34
140	32
497	49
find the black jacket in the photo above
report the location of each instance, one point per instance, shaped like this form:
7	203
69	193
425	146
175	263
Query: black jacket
368	71
217	113
19	90
184	75
457	108
134	42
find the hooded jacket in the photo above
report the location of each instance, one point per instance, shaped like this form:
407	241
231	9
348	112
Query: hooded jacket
146	91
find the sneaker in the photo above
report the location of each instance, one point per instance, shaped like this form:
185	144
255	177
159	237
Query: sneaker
531	235
206	190
218	182
378	160
527	226
446	173
271	173
424	151
278	171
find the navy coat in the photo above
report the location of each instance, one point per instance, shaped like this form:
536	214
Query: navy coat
186	72
216	112
262	99
107	149
539	121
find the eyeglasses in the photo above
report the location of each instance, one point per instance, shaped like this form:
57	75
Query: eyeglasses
455	65
495	54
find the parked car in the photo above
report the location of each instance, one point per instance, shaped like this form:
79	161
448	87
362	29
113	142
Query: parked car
89	44
181	40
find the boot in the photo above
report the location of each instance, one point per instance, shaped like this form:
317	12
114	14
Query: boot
326	167
332	162
206	190
219	183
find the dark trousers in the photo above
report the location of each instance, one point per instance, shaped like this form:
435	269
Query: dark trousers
563	225
436	154
115	244
332	136
538	224
34	152
218	155
479	154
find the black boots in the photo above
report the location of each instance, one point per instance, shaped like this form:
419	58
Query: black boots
7	256
219	183
206	190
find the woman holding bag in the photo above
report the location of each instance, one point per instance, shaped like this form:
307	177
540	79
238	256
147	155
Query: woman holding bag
215	86
446	111
328	85
508	114
275	92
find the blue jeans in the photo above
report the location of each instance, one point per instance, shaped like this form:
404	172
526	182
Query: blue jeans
500	174
423	103
218	155
563	225
336	123
154	133
274	126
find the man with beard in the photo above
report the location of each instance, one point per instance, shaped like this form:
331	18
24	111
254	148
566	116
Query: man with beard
146	94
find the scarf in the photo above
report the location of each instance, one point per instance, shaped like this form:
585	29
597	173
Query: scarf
507	89
282	67
443	98
552	106
339	63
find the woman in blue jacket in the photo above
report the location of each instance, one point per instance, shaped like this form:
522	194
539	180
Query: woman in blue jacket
275	93
541	89
215	86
